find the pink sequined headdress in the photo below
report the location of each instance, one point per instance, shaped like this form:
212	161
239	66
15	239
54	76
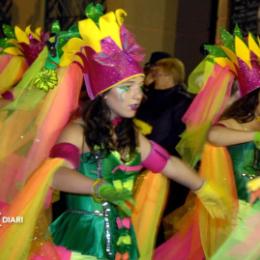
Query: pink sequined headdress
241	56
106	51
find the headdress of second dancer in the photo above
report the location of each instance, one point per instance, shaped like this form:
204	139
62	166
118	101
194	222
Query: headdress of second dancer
236	58
242	56
107	52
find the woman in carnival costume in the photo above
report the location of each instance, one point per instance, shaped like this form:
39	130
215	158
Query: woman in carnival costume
238	130
105	146
230	158
102	146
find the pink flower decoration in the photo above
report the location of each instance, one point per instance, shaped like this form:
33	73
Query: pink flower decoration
123	223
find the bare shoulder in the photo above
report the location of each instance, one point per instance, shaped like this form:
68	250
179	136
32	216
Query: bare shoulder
231	123
73	133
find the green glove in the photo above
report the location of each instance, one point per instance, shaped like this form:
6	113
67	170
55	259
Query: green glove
211	200
104	191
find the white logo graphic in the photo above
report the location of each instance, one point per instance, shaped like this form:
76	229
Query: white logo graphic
10	220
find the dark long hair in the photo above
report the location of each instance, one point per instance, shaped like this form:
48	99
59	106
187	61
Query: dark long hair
98	128
243	110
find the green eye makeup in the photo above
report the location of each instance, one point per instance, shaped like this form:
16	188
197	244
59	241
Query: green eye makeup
124	88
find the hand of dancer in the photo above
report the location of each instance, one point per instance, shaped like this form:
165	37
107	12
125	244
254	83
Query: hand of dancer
104	191
253	187
211	200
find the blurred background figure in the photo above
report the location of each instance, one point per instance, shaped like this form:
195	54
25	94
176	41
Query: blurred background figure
166	102
148	67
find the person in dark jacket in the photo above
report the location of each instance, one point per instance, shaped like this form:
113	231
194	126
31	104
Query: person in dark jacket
165	103
148	67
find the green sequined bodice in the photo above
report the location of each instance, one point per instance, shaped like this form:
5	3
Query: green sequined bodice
110	173
246	163
90	227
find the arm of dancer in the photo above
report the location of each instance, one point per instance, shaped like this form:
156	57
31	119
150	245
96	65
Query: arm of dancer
68	147
156	159
229	132
68	179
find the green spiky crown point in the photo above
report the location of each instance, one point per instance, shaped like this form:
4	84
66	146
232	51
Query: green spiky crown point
228	41
94	11
240	55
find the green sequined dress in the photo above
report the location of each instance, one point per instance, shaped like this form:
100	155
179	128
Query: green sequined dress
246	163
90	227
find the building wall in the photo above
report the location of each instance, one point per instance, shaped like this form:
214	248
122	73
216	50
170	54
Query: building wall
28	12
179	27
223	17
193	30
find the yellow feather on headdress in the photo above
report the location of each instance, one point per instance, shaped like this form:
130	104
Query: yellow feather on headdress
253	46
242	51
91	35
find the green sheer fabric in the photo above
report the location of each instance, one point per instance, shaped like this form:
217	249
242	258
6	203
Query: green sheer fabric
243	242
81	228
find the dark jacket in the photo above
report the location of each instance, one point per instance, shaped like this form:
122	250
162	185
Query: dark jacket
163	110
